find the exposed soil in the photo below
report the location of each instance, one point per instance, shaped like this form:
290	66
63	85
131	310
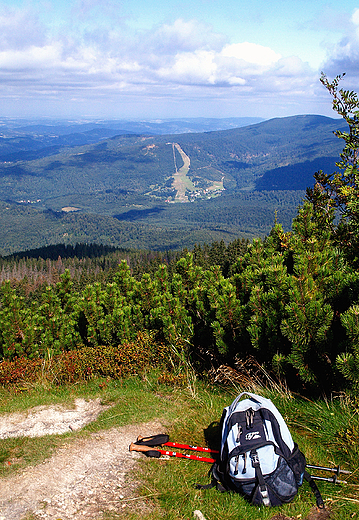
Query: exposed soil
84	479
315	514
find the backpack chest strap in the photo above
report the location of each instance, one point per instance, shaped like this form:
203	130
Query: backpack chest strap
259	476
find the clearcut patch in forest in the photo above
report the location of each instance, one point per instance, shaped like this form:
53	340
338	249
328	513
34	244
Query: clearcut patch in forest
186	189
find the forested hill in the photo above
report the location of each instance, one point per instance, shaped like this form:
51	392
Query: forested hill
247	155
123	190
28	140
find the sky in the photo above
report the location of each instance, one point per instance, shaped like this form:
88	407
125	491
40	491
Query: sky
159	59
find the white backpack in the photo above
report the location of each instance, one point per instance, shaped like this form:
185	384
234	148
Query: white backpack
258	457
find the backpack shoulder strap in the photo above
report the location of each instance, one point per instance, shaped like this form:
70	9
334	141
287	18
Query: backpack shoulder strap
215	481
314	488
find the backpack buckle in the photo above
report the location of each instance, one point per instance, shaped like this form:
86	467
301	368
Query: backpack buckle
254	458
264	494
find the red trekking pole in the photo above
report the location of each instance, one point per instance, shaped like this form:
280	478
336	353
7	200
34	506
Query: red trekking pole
150	452
162	440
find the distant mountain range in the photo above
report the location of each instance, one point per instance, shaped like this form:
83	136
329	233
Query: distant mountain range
126	176
29	140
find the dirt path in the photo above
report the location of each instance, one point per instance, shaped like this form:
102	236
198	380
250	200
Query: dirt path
84	479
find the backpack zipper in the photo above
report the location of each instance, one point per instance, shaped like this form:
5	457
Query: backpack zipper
244	464
238	441
237	464
249	418
244	470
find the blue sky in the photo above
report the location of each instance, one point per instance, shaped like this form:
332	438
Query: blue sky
174	58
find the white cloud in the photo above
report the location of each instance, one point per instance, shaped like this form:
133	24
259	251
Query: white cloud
237	64
355	17
188	35
344	56
251	53
30	58
177	60
20	29
197	67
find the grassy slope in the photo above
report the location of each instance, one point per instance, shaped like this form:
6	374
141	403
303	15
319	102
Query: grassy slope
320	428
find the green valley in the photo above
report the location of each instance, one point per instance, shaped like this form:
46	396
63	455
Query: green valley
164	191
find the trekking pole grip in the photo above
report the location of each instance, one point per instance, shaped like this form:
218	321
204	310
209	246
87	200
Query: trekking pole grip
147	450
138	447
153	440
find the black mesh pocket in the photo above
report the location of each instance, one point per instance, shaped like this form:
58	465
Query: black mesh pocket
297	463
281	483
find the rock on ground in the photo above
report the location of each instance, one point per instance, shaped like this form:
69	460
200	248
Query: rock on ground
49	420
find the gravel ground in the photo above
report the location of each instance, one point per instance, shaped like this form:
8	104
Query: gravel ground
84	479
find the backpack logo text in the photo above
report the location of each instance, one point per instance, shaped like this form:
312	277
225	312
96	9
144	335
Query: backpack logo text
252	435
